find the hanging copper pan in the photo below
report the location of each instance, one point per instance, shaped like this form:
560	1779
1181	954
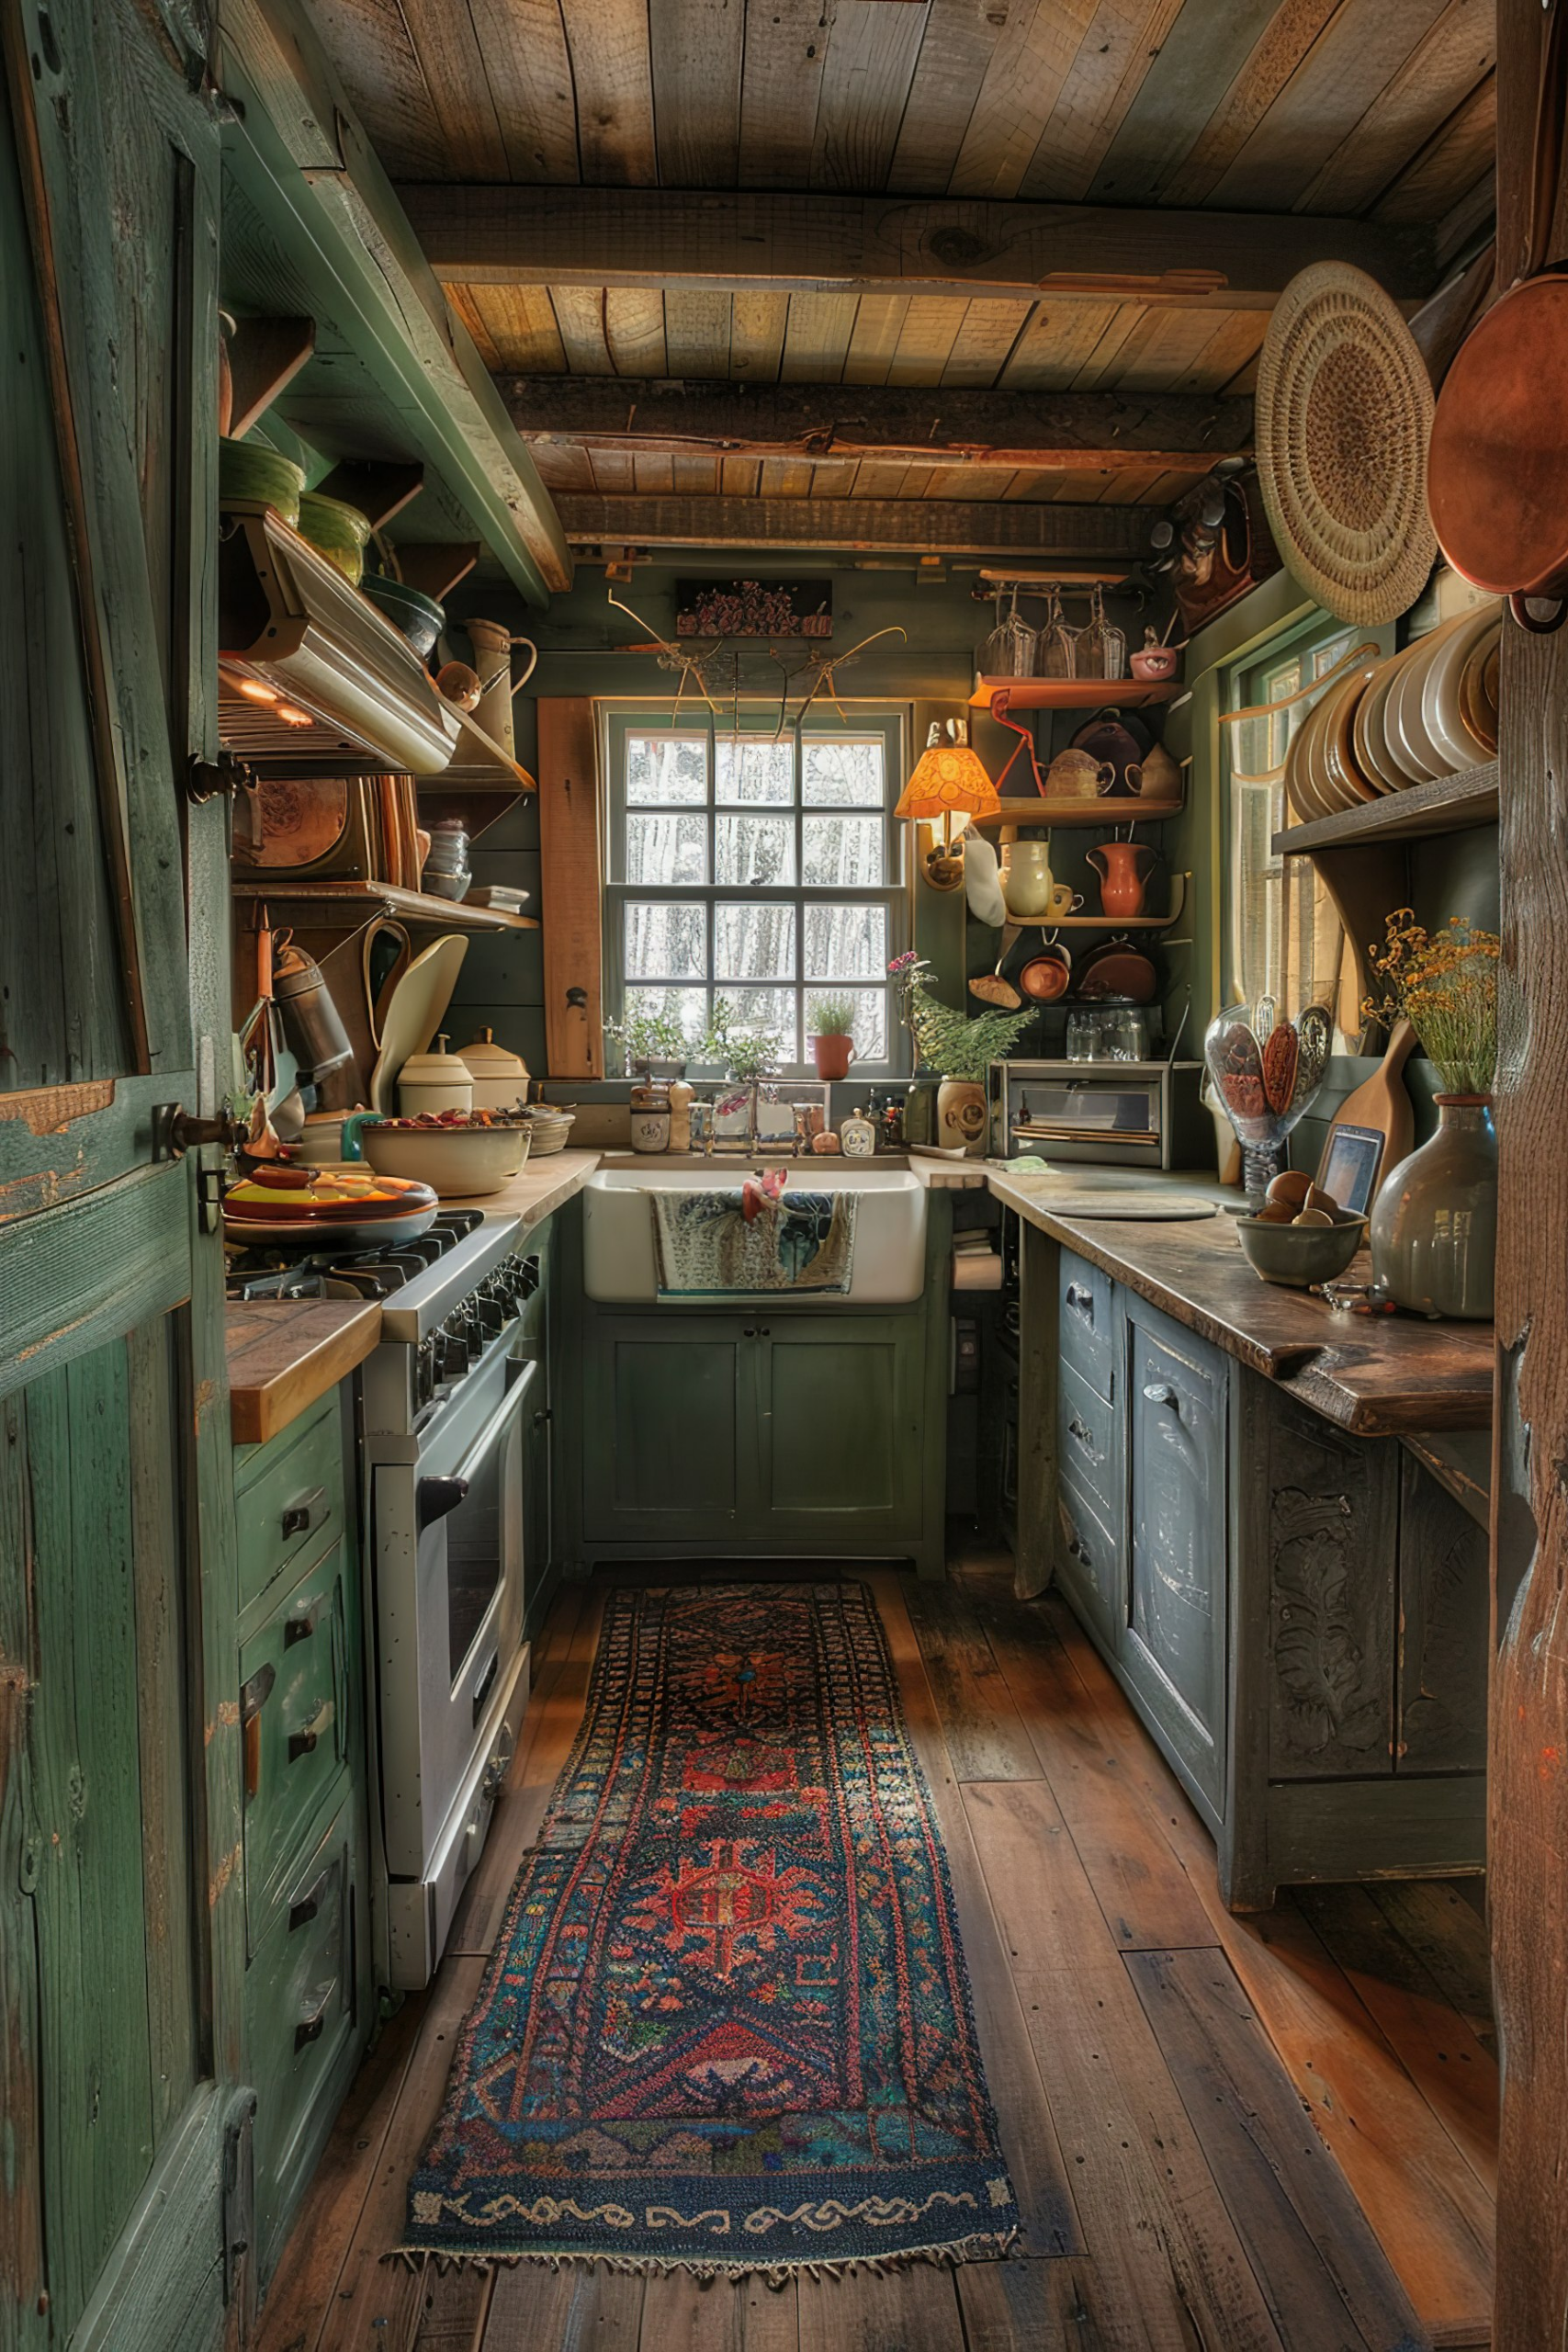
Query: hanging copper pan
1497	470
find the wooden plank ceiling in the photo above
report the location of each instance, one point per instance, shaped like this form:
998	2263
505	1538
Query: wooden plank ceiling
1373	120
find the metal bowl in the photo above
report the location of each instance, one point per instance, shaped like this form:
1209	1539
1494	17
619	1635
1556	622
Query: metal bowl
1301	1254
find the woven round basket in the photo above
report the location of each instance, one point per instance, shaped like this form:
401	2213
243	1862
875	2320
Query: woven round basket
1344	418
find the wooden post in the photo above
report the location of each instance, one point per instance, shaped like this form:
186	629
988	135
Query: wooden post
1527	1886
570	879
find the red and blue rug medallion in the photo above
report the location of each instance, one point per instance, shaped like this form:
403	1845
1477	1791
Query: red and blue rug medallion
728	2026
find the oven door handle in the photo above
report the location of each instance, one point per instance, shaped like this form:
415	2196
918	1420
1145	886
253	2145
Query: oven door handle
434	1498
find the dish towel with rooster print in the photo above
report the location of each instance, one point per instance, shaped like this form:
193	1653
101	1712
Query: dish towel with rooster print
757	1237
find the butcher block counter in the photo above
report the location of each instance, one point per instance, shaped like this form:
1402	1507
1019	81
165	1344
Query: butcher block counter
1241	1494
284	1353
1380	1376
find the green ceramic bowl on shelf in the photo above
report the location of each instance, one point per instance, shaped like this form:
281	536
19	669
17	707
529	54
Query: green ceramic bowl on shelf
249	475
419	616
341	532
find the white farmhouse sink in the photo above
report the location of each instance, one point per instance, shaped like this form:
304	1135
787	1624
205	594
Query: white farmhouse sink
619	1267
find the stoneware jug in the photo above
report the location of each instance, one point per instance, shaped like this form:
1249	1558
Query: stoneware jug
1123	868
1027	883
1434	1228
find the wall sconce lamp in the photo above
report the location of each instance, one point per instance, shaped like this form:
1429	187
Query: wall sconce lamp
950	780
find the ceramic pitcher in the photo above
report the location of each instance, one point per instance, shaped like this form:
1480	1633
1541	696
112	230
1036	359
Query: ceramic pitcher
1123	869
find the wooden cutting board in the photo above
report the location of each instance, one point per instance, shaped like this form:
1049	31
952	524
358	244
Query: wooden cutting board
1382	1103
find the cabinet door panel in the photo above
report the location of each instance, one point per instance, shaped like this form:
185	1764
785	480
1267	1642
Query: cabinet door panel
661	1426
1444	1616
1174	1641
829	1426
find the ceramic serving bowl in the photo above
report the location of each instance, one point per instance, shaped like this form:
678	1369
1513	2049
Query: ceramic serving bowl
459	1163
249	475
1300	1255
341	532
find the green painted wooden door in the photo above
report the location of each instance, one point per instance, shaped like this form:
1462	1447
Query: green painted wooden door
664	1418
837	1431
120	1931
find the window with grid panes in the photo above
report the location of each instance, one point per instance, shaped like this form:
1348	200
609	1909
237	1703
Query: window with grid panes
763	869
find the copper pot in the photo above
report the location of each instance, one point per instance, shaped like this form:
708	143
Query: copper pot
1497	467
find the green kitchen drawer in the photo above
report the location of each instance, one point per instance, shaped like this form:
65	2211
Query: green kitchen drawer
303	1998
1090	1445
295	1707
1088	1324
290	1498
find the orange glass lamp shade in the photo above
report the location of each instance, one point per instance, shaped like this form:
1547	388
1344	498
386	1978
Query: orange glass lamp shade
950	780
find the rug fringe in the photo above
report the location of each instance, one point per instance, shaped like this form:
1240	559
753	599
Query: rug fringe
979	2247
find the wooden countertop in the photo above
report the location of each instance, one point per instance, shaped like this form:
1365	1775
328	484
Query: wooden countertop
1379	1376
540	1187
285	1353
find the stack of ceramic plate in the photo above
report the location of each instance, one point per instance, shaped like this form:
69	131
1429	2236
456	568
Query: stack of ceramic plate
1430	710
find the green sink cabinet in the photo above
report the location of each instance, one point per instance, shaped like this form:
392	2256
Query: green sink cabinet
773	1428
1298	1614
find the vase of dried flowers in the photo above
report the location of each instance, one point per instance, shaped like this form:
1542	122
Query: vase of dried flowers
1434	1228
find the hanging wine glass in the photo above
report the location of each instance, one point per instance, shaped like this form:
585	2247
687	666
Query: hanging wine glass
1102	647
1058	643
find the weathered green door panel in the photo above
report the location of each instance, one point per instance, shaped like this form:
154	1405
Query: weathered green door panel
661	1426
839	1433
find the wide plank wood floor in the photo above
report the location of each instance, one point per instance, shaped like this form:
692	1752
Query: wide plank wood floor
1230	2102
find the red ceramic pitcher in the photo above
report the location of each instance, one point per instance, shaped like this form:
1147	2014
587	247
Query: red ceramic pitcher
1123	869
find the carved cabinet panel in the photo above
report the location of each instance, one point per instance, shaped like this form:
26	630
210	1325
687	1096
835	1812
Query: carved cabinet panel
1333	1528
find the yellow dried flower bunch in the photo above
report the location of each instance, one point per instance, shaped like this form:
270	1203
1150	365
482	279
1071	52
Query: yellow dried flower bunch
1444	985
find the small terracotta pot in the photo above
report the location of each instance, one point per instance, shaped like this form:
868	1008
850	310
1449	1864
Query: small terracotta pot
1047	975
832	1056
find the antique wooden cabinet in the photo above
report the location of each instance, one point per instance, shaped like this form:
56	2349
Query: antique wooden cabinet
1299	1614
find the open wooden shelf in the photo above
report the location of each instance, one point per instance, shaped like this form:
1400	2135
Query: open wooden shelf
1073	693
1449	804
1123	808
351	899
1102	922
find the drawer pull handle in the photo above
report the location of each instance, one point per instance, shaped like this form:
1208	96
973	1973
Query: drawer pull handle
436	1497
313	2016
1075	1551
254	1697
1081	1301
299	1626
1076	1428
308	1512
1161	1391
303	1741
307	1907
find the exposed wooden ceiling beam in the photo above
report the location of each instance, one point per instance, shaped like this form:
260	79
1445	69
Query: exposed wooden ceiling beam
878	244
1050	432
927	526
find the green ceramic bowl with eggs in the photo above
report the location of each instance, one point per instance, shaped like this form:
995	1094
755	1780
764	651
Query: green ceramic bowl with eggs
1301	1254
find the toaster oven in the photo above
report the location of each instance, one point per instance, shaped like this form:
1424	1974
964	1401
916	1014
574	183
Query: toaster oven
1113	1114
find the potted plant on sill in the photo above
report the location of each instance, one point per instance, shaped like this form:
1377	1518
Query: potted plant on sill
1434	1225
653	1045
959	1049
833	1046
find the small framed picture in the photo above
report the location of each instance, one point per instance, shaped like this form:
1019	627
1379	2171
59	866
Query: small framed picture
1352	1159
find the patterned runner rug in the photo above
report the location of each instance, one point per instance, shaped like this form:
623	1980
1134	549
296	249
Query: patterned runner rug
728	2023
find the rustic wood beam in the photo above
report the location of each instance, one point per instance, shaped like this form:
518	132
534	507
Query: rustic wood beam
876	244
1046	432
925	525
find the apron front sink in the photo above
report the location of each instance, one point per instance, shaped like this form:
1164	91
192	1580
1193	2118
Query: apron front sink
618	1255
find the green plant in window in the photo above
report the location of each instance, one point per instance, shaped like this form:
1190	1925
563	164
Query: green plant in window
649	1037
947	1041
830	1016
744	1053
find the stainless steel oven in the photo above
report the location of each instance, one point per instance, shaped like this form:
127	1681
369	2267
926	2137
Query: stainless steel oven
450	1398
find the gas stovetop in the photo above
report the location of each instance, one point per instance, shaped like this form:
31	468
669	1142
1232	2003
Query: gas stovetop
275	1271
420	1283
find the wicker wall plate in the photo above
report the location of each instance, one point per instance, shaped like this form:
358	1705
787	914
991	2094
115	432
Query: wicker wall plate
1344	418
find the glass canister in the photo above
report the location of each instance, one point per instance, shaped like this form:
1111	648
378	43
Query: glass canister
651	1117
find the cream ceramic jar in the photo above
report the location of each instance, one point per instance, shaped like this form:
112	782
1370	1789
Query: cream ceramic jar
434	1082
